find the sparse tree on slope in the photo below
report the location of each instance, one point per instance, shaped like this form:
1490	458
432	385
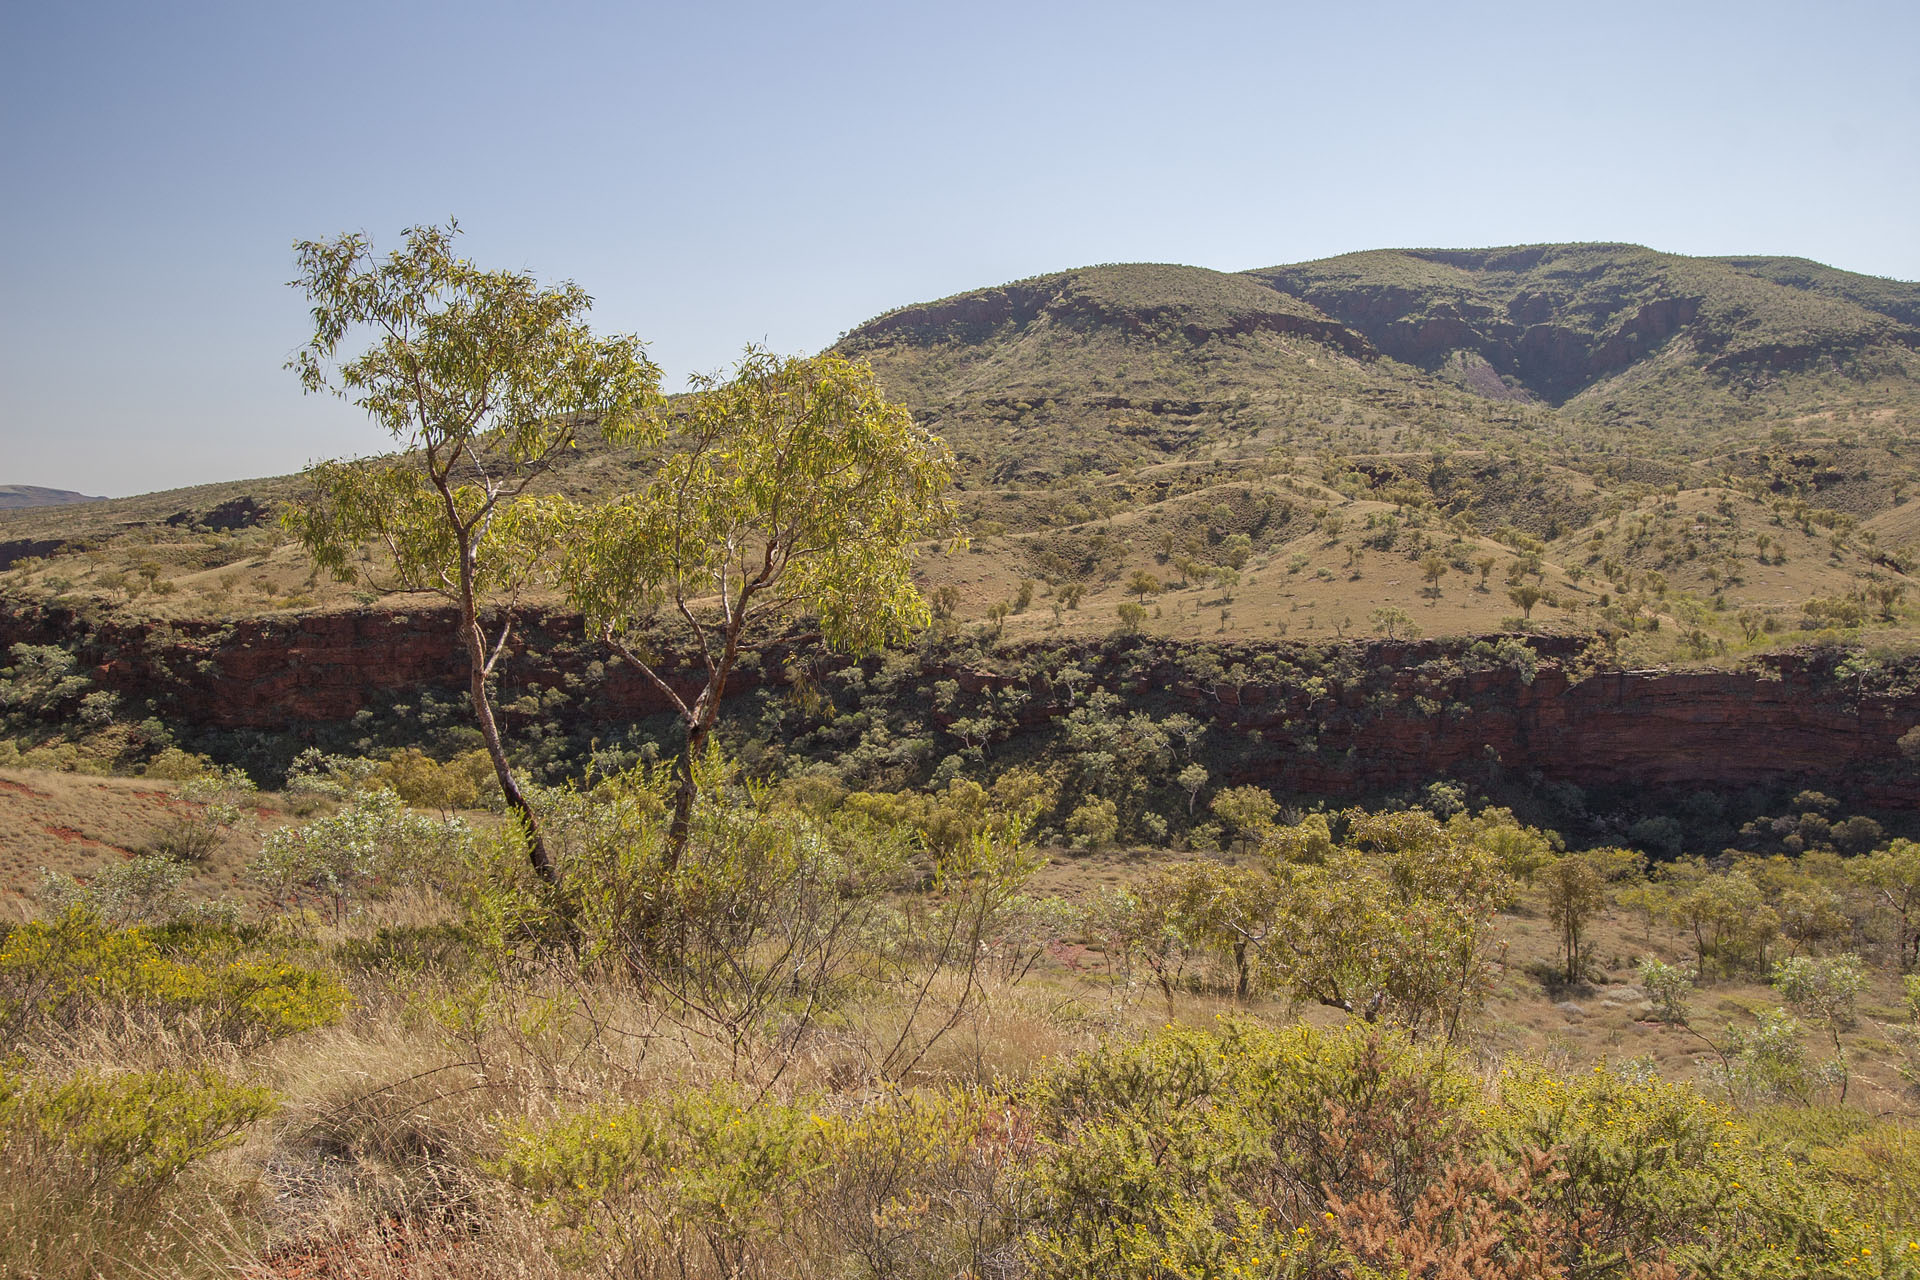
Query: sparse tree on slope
482	378
792	489
1575	893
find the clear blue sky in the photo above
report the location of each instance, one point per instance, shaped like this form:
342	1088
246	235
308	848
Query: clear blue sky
719	174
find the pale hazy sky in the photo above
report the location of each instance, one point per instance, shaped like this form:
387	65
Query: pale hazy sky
718	174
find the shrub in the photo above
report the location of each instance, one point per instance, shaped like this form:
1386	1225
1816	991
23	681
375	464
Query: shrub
465	782
142	890
176	765
1768	1062
124	1136
1668	987
1246	811
1296	1152
1648	1163
43	683
1393	923
1095	823
701	1182
368	848
910	1183
1221	1153
86	1165
55	973
774	916
219	797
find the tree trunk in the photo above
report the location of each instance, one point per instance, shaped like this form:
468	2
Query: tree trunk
706	710
523	815
686	788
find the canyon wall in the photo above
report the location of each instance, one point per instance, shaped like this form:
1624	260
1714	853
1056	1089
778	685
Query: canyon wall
1388	715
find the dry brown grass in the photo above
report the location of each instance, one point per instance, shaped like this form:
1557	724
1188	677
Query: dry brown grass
258	571
374	1165
1342	582
75	823
1609	1020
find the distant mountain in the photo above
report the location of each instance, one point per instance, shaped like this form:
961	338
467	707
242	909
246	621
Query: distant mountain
14	496
1613	346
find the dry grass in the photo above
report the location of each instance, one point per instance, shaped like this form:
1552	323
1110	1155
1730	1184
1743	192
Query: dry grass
1339	582
1334	590
373	1167
1530	1014
74	823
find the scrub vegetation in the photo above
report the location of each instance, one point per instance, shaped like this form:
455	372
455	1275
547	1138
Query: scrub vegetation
930	932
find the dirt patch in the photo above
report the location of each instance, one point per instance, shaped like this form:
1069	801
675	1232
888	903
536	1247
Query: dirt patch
71	836
394	1252
77	824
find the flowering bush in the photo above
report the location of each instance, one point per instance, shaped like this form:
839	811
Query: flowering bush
372	845
55	973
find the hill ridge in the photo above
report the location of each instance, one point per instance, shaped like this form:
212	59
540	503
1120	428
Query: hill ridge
14	497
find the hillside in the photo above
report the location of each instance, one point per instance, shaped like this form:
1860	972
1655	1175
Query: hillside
15	496
1698	453
1404	738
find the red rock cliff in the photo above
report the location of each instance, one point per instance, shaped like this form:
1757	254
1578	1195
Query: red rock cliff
1409	713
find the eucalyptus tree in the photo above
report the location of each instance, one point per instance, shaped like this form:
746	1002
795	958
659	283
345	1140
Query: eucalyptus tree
482	378
792	490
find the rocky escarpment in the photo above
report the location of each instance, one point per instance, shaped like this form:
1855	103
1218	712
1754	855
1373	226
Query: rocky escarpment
1787	720
1337	720
14	550
279	673
1558	319
1139	301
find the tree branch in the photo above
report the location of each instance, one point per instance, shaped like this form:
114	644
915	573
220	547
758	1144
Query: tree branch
619	646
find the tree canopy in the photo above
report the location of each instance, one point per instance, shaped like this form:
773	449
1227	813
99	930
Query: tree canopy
483	379
792	489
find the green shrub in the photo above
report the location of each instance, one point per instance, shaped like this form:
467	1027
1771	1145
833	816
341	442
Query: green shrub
1648	1160
910	1183
124	1136
1147	1150
55	973
701	1181
176	765
1261	1152
773	916
371	846
1095	823
465	782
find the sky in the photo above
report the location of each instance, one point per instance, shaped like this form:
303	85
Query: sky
777	173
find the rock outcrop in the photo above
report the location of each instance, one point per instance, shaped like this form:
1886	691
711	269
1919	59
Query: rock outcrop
1403	713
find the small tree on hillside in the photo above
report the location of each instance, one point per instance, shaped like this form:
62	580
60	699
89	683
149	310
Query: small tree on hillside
794	488
1190	780
1247	811
1825	990
1394	623
482	378
1575	893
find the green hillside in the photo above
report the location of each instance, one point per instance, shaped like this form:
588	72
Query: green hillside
1612	346
1659	444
